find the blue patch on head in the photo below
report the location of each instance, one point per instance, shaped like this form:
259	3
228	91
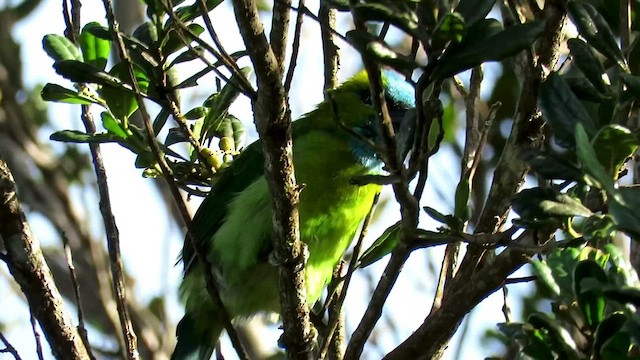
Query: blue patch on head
398	89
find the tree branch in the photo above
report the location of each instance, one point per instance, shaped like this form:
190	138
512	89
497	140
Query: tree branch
29	268
273	121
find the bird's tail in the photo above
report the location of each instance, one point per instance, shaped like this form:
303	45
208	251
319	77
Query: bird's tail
195	342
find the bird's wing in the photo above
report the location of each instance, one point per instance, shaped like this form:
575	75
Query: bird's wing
243	171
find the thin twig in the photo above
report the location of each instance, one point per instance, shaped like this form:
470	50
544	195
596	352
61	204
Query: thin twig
519	280
407	201
330	52
82	330
347	280
506	310
8	348
296	48
168	175
243	86
111	229
36	336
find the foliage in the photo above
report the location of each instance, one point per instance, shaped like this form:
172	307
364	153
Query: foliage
594	295
586	104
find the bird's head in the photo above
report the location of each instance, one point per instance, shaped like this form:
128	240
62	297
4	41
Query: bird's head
354	100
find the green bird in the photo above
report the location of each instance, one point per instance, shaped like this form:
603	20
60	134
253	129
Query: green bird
234	221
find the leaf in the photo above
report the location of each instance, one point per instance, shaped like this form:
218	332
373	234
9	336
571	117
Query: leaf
589	160
588	63
609	327
562	264
624	206
451	28
589	280
624	295
174	43
563	110
59	48
512	40
544	277
613	145
73	136
219	104
112	125
594	28
122	103
160	120
95	50
57	93
188	55
383	246
376	49
551	166
632	82
474	10
188	13
540	202
461	209
560	339
392	12
77	71
584	90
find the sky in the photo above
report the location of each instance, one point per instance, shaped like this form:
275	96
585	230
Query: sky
150	243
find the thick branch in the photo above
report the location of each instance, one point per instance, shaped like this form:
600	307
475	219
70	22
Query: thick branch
28	267
273	121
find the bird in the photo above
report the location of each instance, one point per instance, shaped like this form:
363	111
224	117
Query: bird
331	147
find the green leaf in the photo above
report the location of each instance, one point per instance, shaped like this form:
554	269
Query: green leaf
560	339
588	63
624	206
383	246
376	49
438	216
59	48
551	166
540	202
219	104
188	55
632	82
451	28
161	120
122	103
544	277
589	280
614	144
589	160
512	40
617	347
608	328
584	90
191	12
461	210
598	227
77	71
562	264
563	110
174	43
624	295
95	50
57	93
73	136
394	12
112	125
474	10
594	28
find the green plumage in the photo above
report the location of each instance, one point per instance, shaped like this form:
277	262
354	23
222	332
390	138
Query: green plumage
234	221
